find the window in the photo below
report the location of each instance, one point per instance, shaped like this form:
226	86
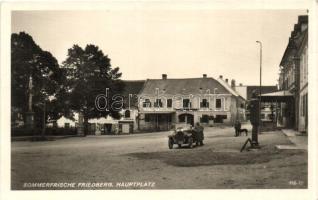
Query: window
204	103
146	103
158	103
66	125
181	118
169	103
220	118
147	118
127	114
205	119
218	103
186	103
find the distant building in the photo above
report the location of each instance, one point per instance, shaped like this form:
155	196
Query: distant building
246	91
165	102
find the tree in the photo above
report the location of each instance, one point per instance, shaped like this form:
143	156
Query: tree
89	73
28	59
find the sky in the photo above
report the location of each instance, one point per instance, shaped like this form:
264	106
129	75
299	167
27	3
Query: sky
180	43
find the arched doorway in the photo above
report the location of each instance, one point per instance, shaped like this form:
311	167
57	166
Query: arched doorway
186	118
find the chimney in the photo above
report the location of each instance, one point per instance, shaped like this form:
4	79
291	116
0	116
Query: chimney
233	83
227	80
204	76
221	77
164	76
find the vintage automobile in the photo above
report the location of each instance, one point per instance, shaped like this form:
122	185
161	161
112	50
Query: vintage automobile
185	134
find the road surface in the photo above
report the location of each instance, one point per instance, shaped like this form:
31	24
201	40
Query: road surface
143	161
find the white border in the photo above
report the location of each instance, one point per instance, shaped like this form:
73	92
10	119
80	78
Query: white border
290	194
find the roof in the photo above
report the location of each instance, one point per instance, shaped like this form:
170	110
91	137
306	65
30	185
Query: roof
132	88
278	93
183	86
279	96
295	40
229	88
264	90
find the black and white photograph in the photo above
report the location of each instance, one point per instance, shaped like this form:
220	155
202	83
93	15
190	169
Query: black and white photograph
159	98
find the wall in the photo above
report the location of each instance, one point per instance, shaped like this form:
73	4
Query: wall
228	108
303	110
303	90
61	122
133	117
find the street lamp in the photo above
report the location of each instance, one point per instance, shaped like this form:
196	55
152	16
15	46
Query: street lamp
260	81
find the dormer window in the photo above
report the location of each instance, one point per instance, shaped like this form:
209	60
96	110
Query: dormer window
186	103
146	103
204	103
127	114
169	103
158	103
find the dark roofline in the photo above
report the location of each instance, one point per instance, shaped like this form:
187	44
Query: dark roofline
181	78
302	19
133	80
143	87
255	86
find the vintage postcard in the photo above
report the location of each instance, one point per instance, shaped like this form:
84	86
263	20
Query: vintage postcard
158	100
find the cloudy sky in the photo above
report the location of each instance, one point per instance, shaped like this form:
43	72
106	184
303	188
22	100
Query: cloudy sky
180	43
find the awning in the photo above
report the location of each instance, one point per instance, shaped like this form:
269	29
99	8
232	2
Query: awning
157	112
279	96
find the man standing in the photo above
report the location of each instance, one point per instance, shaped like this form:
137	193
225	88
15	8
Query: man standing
254	117
199	133
237	127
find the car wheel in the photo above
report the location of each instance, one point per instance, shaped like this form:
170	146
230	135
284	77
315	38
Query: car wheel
179	145
190	142
201	143
170	143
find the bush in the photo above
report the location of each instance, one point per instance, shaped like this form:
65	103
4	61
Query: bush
21	131
50	131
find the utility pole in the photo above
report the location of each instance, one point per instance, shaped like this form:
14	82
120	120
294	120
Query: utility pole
260	84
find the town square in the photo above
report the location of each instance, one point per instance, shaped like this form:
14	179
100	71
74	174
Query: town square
159	99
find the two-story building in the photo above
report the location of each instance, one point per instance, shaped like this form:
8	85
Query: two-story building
165	102
293	77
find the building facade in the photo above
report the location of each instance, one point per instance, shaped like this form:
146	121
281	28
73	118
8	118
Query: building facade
293	77
302	54
165	102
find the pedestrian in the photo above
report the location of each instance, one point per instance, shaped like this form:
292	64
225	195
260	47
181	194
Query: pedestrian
237	127
199	133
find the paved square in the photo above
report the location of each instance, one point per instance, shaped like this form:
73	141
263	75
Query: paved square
143	161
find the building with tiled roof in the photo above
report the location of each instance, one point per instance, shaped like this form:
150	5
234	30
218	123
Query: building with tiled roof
165	102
